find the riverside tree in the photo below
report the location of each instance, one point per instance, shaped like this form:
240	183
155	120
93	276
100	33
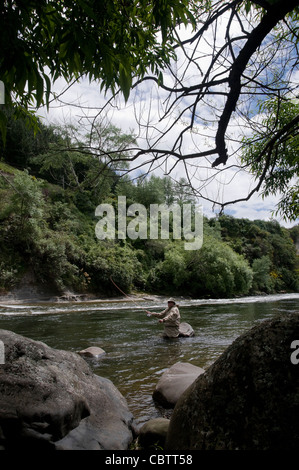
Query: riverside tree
111	41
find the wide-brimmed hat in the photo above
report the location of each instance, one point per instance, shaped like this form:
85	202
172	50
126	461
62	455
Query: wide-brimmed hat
171	300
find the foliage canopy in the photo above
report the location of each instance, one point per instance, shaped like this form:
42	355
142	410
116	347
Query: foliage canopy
110	41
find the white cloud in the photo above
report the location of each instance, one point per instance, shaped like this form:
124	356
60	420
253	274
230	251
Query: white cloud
85	99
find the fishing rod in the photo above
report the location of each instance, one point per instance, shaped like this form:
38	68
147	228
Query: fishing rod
127	295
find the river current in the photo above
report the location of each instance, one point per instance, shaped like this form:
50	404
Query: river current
136	354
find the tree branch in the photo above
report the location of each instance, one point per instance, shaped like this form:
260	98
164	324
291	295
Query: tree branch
268	22
267	150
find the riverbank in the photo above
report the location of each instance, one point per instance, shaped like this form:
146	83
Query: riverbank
30	291
23	297
14	298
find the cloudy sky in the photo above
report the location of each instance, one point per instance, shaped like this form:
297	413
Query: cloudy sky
81	103
84	99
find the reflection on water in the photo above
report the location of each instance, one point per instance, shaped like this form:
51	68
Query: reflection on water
136	354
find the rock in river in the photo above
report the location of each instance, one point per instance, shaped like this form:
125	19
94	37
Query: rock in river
51	399
174	382
92	351
153	433
186	330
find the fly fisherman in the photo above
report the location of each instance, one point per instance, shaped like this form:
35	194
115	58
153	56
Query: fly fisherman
171	319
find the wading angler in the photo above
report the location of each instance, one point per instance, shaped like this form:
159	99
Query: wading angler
186	222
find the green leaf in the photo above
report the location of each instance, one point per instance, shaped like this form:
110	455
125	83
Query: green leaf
39	90
125	80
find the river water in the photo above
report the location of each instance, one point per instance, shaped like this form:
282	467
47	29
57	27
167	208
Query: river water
136	354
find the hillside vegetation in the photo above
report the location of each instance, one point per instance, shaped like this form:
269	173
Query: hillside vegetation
49	190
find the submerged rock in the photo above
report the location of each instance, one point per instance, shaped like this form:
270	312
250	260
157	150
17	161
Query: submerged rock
153	433
248	399
92	351
51	399
174	382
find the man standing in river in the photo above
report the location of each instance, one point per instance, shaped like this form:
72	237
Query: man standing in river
171	319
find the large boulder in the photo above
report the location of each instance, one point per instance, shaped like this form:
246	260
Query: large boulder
51	399
248	399
174	381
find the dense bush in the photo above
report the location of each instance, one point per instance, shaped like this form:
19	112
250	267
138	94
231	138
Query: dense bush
50	229
216	270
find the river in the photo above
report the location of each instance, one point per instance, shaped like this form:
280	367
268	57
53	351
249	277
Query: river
136	354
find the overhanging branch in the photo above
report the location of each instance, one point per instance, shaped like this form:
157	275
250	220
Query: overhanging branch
275	14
